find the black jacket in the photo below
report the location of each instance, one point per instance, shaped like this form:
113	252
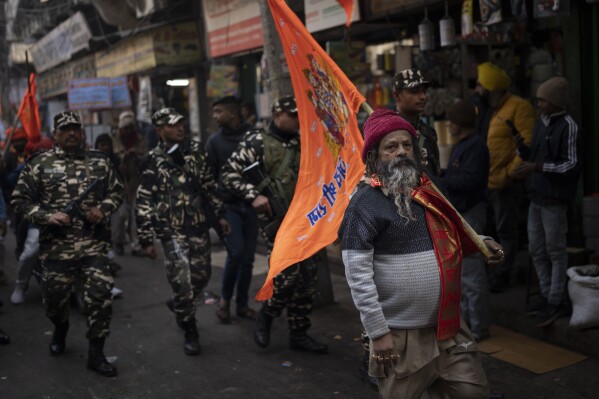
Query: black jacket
557	146
467	172
219	148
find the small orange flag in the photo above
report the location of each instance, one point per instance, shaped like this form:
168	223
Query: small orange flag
331	142
29	112
348	6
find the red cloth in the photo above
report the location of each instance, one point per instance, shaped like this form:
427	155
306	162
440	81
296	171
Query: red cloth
29	112
380	123
451	242
19	134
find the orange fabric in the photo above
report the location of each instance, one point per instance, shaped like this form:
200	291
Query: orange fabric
450	242
348	6
330	166
29	112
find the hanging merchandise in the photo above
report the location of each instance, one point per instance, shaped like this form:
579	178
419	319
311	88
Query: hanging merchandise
490	11
447	28
519	9
467	20
426	33
551	8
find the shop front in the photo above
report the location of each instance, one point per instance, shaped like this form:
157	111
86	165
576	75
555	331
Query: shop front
161	67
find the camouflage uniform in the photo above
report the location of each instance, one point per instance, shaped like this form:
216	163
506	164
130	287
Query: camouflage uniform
169	204
49	182
295	286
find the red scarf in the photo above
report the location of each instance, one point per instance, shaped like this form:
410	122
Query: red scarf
450	241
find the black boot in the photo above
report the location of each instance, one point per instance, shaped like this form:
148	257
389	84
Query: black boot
58	342
300	341
363	371
96	360
191	346
262	331
170	304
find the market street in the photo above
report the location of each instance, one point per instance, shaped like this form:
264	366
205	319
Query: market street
151	363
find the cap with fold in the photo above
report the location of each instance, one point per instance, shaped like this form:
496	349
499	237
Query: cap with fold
284	104
379	124
556	91
126	118
66	118
166	116
492	77
462	114
408	79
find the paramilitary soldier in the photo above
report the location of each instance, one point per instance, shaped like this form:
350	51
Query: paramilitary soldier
176	194
264	171
70	193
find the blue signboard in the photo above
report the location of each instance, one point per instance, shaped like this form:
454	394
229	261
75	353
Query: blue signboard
93	93
120	93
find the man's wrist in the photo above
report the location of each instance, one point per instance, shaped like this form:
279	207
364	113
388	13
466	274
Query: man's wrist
539	167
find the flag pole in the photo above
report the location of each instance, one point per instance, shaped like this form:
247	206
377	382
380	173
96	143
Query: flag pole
16	119
467	228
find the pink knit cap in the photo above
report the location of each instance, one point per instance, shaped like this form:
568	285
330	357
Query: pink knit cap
379	124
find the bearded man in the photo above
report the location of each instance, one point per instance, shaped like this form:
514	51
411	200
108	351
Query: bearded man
402	247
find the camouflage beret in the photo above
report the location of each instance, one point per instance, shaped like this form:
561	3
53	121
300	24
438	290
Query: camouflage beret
65	118
166	116
284	104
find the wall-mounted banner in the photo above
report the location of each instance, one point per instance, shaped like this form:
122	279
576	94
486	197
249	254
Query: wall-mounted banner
222	81
232	26
325	14
61	43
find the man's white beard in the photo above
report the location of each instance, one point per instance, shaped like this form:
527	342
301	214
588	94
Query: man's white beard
399	177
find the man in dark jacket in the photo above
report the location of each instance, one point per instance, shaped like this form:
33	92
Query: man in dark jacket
466	183
241	243
552	163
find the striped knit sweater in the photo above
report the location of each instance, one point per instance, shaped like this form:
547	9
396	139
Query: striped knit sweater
390	265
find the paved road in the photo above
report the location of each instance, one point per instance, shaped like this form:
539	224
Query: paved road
151	363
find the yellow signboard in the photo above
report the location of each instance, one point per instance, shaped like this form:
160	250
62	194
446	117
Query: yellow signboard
129	56
167	45
177	44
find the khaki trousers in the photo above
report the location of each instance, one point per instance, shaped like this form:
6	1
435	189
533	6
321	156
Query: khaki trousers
444	369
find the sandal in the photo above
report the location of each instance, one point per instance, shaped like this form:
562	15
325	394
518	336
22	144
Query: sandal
223	314
247	313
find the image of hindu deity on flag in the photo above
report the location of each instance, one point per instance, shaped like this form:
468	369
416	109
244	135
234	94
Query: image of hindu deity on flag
331	142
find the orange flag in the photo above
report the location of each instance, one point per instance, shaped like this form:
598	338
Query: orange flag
29	112
348	6
331	142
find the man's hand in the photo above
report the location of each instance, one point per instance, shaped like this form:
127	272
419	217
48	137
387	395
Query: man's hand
525	169
498	256
384	351
150	252
262	205
225	226
59	219
94	215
